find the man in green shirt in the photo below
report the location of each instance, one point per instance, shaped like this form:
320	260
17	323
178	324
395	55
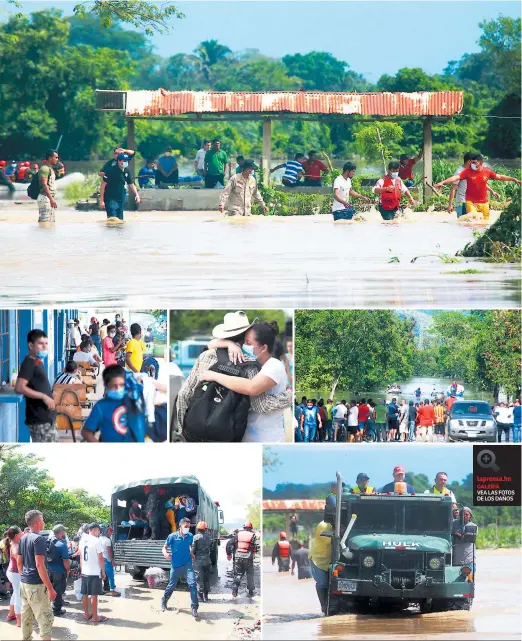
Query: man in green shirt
329	422
216	163
380	420
46	203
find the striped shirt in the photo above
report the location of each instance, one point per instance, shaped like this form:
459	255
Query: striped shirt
292	169
65	378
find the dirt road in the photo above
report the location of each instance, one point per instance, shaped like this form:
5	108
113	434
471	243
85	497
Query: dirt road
137	615
290	609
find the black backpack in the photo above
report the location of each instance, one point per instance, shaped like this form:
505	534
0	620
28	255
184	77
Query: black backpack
33	191
51	553
216	414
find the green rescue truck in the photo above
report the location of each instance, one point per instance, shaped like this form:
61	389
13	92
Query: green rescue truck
396	549
137	553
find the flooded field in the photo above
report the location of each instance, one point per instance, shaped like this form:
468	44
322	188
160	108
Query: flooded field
290	609
201	259
137	615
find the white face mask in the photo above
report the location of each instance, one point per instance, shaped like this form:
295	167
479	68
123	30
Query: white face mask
394	174
112	334
474	167
167	154
124	164
184	530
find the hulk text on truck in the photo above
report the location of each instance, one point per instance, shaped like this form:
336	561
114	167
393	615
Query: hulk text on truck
156	505
396	549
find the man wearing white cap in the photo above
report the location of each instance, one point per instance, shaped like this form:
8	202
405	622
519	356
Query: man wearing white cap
233	329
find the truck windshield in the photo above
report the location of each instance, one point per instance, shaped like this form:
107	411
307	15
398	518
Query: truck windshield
374	517
426	518
459	409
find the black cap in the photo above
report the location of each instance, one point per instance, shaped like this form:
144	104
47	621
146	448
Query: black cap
362	475
249	164
93	526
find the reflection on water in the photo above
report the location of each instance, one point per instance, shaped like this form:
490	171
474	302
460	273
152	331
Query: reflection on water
201	261
291	609
426	384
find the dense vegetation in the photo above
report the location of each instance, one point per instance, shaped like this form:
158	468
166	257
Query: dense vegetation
365	350
499	526
66	59
24	486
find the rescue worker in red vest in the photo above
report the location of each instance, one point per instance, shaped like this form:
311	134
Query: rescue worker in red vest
3	178
282	552
362	486
243	545
390	189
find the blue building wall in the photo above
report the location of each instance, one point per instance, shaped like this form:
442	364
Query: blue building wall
54	324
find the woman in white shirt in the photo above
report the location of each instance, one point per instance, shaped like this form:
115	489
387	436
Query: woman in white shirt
258	345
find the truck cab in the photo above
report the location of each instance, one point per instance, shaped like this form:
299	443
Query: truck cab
397	549
133	547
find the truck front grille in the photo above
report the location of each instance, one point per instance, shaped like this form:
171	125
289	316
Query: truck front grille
402	560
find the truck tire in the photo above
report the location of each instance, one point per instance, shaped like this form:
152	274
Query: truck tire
214	554
137	573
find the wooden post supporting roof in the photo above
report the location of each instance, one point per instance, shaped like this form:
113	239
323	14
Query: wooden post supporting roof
267	150
131	144
428	157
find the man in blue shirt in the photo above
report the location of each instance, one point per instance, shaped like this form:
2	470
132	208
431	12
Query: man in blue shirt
58	566
167	172
109	415
309	419
146	175
399	474
177	550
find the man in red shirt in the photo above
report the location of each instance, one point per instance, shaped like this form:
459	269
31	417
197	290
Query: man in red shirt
313	168
449	403
427	420
364	415
406	168
477	177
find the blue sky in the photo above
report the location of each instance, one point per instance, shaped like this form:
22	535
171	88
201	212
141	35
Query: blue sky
373	37
300	464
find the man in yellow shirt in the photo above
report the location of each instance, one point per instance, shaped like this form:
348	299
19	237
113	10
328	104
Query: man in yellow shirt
135	349
320	559
440	418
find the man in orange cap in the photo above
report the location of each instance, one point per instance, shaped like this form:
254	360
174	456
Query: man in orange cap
399	474
282	552
200	551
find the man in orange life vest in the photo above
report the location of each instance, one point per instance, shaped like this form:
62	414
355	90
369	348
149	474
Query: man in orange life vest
243	546
282	552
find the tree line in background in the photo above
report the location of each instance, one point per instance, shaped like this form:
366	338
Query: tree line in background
25	486
50	66
366	350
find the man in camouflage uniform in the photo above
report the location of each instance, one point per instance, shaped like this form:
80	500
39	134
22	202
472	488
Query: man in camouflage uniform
243	545
240	191
151	511
200	551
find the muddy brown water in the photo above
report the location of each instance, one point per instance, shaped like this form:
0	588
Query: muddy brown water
200	259
136	614
290	609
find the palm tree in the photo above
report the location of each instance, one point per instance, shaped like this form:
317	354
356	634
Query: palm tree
209	53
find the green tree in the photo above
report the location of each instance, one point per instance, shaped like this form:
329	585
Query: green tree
253	510
375	141
210	52
320	71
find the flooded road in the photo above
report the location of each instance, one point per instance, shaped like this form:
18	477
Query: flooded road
290	609
137	615
200	259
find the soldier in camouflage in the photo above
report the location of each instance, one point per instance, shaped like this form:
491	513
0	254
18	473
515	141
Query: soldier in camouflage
151	511
200	552
243	546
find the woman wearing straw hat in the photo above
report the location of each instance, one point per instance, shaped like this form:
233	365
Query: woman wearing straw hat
246	342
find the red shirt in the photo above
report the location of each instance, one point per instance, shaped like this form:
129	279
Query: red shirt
364	413
449	402
477	185
406	172
426	415
313	169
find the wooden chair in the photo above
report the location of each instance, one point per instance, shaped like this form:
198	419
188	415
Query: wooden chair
70	399
89	374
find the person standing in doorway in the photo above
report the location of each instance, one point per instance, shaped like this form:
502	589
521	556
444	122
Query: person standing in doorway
32	382
36	588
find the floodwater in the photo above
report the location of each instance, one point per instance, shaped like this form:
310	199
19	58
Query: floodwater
290	609
198	259
137	615
426	383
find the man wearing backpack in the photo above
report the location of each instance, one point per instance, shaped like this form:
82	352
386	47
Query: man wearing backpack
58	566
390	189
43	188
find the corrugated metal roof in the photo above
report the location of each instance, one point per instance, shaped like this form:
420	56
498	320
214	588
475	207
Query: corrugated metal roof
173	103
294	504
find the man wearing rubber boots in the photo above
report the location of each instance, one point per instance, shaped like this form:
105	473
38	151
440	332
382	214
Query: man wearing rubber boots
200	551
243	546
282	552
